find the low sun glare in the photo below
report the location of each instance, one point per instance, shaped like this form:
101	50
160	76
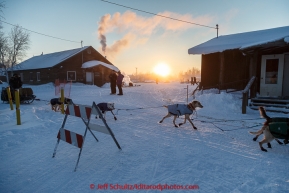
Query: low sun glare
162	69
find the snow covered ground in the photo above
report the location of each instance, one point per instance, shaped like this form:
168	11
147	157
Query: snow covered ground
219	157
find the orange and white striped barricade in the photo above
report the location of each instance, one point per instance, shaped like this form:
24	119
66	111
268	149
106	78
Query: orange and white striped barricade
84	112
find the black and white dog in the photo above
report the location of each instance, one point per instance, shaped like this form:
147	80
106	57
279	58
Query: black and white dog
56	103
104	107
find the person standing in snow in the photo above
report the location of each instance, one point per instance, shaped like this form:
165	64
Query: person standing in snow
15	83
112	78
119	82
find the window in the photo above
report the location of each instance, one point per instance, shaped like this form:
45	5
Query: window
38	76
71	75
21	76
271	71
31	76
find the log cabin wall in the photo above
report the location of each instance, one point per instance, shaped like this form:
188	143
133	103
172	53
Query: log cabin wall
210	70
223	70
236	70
69	69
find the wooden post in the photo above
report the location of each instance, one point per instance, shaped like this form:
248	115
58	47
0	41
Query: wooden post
187	94
9	98
245	95
62	100
17	101
244	102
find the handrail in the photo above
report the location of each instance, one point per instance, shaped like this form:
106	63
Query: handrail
245	94
248	86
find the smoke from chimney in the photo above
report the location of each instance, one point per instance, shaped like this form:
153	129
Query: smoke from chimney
140	27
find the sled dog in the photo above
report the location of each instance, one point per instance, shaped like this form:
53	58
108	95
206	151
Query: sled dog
105	107
56	103
268	137
182	109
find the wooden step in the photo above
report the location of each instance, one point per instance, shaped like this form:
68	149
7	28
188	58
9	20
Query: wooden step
270	103
272	109
270	100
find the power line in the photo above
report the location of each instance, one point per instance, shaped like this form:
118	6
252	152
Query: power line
160	15
40	33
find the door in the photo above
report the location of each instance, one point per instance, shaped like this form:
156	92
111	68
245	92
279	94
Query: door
272	75
286	76
89	78
98	79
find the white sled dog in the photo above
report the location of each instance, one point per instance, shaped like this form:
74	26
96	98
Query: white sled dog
182	109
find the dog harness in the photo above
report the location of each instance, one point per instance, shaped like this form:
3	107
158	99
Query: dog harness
179	109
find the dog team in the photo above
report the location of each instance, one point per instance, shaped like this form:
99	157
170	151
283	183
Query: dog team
177	110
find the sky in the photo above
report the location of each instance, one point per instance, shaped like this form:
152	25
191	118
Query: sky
137	41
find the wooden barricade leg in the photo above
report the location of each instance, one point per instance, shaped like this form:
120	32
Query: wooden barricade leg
80	150
104	122
87	127
62	126
54	153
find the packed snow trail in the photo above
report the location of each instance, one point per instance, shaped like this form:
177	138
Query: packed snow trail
152	153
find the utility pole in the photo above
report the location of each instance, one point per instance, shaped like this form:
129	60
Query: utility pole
217	27
81	52
136	74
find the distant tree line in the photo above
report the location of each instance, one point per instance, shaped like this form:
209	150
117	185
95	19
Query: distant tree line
182	76
186	76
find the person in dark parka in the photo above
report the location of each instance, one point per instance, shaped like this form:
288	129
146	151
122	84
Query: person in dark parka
119	82
112	78
15	82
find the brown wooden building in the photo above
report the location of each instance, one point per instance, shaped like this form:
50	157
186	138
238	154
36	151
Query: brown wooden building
229	61
69	65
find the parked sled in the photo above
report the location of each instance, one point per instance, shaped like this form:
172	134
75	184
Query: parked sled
25	94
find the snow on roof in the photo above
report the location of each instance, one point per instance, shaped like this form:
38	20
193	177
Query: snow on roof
241	40
93	63
48	60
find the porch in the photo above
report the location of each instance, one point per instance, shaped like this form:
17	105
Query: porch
274	104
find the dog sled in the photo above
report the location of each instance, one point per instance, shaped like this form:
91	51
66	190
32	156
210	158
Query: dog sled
25	95
279	127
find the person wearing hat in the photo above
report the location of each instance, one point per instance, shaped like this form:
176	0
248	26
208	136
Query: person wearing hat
112	78
119	82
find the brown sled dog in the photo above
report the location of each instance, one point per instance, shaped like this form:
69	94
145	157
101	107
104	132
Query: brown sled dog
268	137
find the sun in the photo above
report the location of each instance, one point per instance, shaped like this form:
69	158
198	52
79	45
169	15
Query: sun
162	69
